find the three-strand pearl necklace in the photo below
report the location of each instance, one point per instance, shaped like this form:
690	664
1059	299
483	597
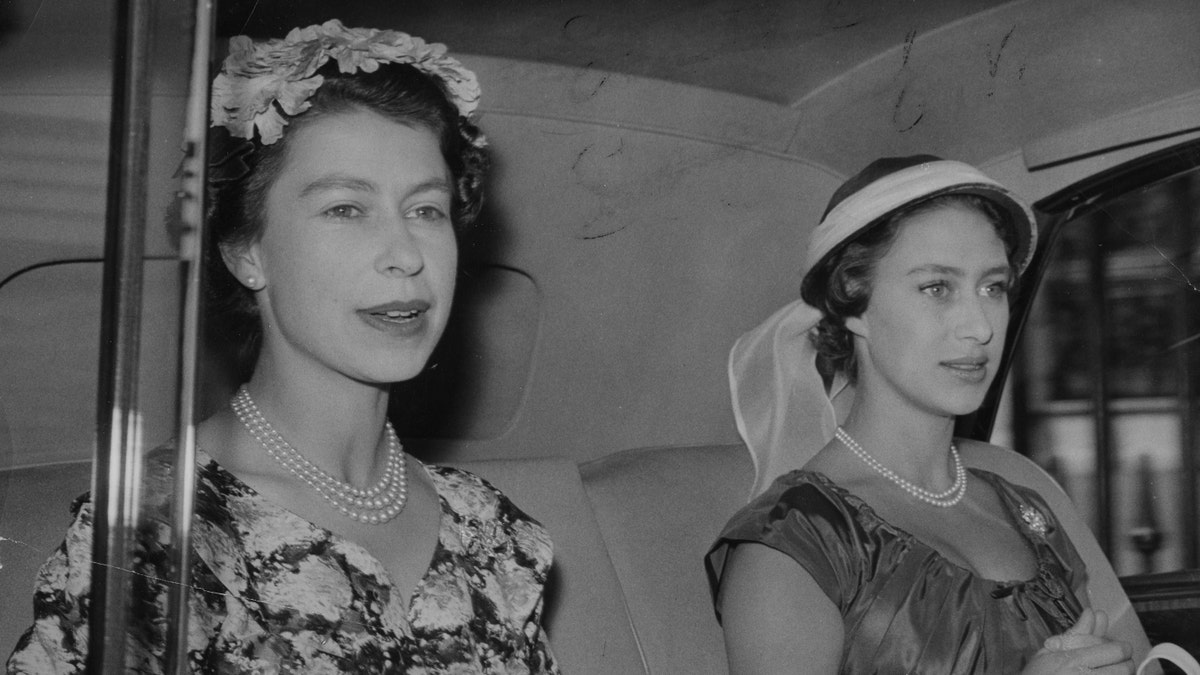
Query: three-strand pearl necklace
375	505
945	499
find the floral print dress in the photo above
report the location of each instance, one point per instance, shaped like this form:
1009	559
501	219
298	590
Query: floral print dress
273	593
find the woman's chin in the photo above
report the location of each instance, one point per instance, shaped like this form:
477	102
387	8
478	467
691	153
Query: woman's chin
965	408
390	369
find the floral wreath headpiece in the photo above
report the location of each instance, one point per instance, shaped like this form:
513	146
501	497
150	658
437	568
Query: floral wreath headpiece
258	79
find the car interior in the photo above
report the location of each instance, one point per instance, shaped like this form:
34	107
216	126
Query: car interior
658	167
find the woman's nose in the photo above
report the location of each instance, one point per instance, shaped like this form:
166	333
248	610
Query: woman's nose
400	253
977	320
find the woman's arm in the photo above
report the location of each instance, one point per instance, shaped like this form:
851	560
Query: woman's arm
57	641
539	658
775	617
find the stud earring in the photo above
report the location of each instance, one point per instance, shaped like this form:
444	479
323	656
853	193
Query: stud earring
252	283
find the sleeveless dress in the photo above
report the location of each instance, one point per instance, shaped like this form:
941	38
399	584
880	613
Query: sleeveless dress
905	607
274	593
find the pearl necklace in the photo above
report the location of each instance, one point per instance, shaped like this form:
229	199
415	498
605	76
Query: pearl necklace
375	505
946	499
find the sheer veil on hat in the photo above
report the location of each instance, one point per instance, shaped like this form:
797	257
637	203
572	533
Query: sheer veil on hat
783	410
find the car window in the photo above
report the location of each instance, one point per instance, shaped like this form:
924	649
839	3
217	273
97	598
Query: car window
1107	375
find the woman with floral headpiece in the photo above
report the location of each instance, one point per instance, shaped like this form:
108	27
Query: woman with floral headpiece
870	546
344	163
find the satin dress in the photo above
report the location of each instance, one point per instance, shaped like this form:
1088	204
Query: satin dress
905	607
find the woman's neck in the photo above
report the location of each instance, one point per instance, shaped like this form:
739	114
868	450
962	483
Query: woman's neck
912	443
333	421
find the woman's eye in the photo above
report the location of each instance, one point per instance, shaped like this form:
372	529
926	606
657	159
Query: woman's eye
343	211
428	212
996	290
936	290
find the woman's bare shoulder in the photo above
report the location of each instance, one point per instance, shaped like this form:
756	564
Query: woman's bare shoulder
765	595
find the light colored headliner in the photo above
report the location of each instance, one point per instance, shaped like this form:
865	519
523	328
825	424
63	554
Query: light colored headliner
967	78
833	83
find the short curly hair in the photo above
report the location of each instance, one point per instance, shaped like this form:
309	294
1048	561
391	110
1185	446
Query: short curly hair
237	203
840	284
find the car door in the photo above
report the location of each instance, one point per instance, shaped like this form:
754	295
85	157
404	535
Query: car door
1104	386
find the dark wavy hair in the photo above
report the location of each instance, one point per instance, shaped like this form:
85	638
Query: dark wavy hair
840	284
241	172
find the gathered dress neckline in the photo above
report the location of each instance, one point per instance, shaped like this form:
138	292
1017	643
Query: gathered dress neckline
1038	552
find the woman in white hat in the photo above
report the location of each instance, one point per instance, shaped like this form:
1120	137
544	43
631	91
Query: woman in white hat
869	546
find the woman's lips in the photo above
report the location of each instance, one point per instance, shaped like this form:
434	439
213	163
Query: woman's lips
401	318
970	369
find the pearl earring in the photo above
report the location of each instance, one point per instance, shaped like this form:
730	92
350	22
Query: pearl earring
252	282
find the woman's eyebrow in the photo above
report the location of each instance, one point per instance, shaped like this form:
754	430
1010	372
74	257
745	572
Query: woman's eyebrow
951	270
432	184
337	182
933	268
344	182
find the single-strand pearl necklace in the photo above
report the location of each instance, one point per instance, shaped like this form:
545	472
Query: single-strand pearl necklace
375	505
946	499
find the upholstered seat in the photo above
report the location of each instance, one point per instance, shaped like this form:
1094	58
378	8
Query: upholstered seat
660	509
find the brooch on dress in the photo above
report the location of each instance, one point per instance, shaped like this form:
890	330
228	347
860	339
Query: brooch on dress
1034	520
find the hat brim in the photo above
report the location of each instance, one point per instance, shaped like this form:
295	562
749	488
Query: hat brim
905	188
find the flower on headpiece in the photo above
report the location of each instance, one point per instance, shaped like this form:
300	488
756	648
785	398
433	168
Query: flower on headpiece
258	80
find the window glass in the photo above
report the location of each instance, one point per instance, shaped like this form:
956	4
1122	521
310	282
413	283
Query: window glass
55	103
1110	368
